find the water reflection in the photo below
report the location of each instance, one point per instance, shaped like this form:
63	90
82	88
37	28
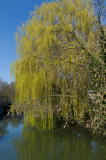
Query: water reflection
13	121
24	142
9	127
59	144
3	129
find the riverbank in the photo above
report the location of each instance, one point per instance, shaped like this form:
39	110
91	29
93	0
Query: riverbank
5	107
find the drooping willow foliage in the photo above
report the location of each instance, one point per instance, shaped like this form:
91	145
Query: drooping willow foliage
51	68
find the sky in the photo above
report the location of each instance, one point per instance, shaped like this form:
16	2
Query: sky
12	14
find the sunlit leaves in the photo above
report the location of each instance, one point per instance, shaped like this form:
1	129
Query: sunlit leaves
52	59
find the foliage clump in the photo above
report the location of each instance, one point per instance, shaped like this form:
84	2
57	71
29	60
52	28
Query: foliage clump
55	50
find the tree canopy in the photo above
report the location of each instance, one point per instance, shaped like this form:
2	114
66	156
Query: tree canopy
55	48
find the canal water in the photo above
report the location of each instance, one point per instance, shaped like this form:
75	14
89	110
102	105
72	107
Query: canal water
23	142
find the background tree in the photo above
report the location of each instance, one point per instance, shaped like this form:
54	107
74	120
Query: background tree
97	73
7	91
101	15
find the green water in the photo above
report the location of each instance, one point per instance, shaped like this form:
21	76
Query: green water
19	142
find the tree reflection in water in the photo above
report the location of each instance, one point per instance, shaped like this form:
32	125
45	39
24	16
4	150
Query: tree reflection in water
15	121
58	144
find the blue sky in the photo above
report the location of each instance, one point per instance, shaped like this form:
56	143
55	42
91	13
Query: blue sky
12	14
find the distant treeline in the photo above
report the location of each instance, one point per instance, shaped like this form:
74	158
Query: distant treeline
6	91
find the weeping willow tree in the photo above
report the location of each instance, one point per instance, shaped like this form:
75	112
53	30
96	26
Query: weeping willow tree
51	68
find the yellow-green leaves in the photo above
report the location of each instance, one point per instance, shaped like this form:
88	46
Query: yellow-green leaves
51	57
